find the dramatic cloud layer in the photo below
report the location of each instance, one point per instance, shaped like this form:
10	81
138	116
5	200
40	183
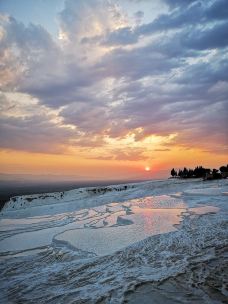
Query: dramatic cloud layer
115	82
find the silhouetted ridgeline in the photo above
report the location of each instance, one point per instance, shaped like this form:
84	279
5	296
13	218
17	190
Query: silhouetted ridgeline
200	171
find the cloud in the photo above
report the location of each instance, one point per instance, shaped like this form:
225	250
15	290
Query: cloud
27	126
190	16
138	16
34	134
208	38
88	118
135	64
105	77
89	18
129	154
178	3
162	150
122	36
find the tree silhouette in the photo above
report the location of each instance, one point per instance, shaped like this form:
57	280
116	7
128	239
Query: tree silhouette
173	172
185	172
180	173
223	169
201	172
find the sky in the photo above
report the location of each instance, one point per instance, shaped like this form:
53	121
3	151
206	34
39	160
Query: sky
110	89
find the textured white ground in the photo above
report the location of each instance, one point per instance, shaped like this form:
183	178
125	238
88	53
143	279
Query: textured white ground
95	245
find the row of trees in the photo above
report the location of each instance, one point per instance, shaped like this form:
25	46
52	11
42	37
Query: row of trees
200	171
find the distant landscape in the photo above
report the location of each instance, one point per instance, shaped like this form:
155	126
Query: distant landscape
12	188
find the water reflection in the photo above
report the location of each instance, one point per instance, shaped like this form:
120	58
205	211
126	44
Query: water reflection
101	230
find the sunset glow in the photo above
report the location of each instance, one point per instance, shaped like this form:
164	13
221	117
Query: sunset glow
100	89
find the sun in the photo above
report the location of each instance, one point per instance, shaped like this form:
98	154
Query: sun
147	168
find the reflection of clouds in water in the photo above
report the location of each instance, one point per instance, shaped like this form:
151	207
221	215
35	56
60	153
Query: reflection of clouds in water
127	223
139	215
